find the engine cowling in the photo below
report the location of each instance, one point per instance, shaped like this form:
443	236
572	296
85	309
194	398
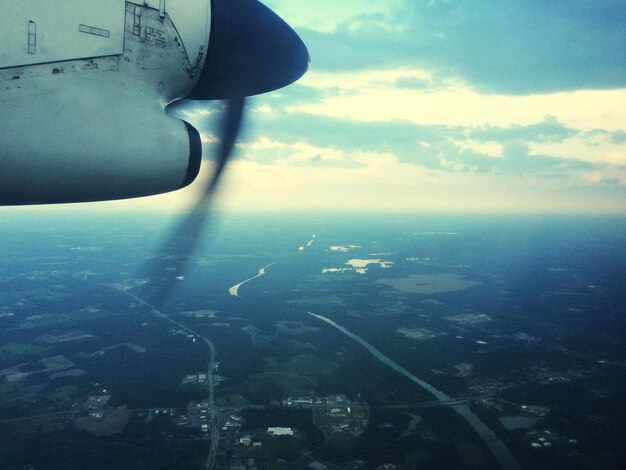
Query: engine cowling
111	143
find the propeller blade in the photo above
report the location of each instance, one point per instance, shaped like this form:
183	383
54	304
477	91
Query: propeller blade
230	126
251	51
175	254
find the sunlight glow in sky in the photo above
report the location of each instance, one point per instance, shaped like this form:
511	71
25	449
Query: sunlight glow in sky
444	106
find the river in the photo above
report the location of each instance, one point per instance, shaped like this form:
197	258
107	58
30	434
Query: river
234	291
497	447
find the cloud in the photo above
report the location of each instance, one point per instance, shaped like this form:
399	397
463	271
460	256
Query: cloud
610	181
618	137
592	147
441	105
549	130
272	152
373	96
499	46
327	15
413	83
518	149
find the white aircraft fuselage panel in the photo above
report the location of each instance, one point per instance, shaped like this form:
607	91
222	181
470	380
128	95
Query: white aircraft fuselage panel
42	31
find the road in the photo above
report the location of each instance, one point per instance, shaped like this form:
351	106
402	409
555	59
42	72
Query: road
497	447
213	411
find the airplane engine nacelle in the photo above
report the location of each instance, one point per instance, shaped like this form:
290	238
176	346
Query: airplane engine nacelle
109	144
84	87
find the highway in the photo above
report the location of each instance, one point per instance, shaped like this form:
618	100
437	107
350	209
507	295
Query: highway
213	411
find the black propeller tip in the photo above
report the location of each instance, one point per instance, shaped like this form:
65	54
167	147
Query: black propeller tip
251	51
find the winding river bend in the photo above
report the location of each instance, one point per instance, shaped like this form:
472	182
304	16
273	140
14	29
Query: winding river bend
234	291
498	449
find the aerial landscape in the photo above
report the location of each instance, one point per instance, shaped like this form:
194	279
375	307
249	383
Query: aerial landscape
279	235
315	342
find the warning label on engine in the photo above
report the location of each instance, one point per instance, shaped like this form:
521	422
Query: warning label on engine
155	37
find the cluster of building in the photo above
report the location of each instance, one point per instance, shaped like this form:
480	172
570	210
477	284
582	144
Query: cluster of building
232	422
97	402
490	386
339	413
546	439
547	377
196	379
279	431
492	402
178	331
247	441
198	416
332	402
535	410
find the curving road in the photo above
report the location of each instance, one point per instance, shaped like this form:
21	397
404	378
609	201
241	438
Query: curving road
213	412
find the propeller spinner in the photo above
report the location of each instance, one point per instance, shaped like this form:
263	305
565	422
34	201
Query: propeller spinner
251	51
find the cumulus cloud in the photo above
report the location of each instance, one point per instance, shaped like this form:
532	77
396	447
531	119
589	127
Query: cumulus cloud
441	105
501	46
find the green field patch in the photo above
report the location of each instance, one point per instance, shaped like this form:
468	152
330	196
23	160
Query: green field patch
471	455
279	451
342	442
14	396
8	298
113	422
252	330
45	320
88	314
232	399
21	349
328	300
263	342
130	346
65	393
304	364
293	344
277	386
40	421
47	364
54	363
64	338
418	457
428	284
48	295
67	373
328	421
294	328
276	343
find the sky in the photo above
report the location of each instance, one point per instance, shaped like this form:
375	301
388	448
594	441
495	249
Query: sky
491	106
